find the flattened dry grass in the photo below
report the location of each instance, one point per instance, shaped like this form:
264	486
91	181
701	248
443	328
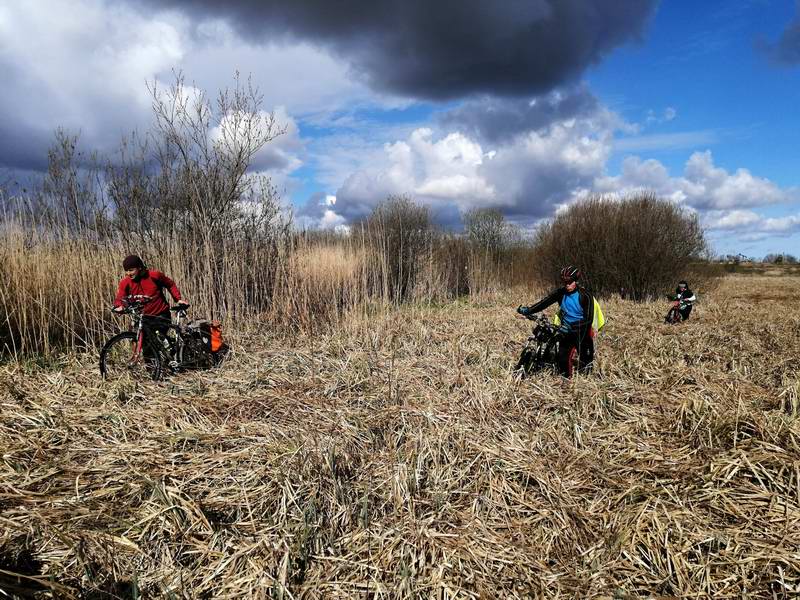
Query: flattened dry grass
397	457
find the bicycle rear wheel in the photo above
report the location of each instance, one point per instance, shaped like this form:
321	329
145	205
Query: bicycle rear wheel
121	359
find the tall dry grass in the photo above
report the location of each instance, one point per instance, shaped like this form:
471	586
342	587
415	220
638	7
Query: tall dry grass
321	282
57	285
52	291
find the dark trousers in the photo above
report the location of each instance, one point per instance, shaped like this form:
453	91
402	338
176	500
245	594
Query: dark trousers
153	325
159	322
583	344
686	311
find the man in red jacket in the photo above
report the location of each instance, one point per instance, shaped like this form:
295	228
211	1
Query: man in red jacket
141	281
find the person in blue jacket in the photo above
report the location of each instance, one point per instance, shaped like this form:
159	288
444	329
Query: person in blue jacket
576	312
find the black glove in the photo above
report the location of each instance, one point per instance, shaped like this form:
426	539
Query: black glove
564	329
523	310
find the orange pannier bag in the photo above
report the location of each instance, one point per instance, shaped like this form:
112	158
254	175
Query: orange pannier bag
216	336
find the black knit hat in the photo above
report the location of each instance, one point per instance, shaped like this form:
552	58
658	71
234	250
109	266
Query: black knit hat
132	262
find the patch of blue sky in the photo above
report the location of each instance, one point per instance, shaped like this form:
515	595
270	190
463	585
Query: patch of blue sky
362	117
305	185
703	60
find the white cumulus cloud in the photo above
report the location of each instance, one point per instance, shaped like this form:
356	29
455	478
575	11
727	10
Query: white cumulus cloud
703	185
526	176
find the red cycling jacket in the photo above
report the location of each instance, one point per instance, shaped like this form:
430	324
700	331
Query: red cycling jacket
148	283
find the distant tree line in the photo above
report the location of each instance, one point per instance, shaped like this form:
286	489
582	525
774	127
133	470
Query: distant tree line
780	259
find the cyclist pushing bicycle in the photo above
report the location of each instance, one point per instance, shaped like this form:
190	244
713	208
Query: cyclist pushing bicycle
686	298
141	281
576	316
178	346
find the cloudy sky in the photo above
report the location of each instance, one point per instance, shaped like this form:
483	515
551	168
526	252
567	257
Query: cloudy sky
522	105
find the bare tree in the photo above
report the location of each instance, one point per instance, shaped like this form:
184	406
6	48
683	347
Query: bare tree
487	230
191	170
68	199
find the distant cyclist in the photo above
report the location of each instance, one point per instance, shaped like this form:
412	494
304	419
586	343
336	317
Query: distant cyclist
141	281
686	298
576	316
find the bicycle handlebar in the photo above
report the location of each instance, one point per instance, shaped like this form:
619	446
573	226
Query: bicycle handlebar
535	317
132	303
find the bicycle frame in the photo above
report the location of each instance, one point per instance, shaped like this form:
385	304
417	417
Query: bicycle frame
135	307
677	306
178	344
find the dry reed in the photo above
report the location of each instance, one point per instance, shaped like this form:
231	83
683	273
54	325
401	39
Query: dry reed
56	286
396	457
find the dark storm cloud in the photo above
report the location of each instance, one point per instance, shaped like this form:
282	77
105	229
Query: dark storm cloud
445	49
23	149
786	50
496	120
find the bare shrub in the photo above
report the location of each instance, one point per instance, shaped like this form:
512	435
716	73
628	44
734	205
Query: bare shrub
68	199
780	259
639	244
499	256
486	230
400	235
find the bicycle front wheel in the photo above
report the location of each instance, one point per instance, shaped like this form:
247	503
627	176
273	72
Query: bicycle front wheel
121	358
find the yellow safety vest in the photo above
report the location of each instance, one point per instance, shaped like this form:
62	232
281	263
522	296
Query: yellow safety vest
598	322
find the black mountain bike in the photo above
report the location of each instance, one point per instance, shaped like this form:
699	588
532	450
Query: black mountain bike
541	348
148	350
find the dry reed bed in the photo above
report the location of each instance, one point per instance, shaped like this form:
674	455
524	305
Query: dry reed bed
56	288
396	457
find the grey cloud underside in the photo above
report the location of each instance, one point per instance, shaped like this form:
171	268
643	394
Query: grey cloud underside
314	207
532	193
496	120
786	50
446	49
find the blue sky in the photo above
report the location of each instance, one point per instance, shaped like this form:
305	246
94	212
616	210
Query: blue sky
701	58
706	61
525	105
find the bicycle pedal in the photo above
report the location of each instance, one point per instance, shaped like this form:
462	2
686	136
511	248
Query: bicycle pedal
173	364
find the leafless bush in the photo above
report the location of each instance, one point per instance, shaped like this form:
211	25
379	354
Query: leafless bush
780	259
190	171
486	230
640	244
68	198
499	256
400	234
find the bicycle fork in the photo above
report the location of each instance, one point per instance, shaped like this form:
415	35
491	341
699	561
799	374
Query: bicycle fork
138	348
